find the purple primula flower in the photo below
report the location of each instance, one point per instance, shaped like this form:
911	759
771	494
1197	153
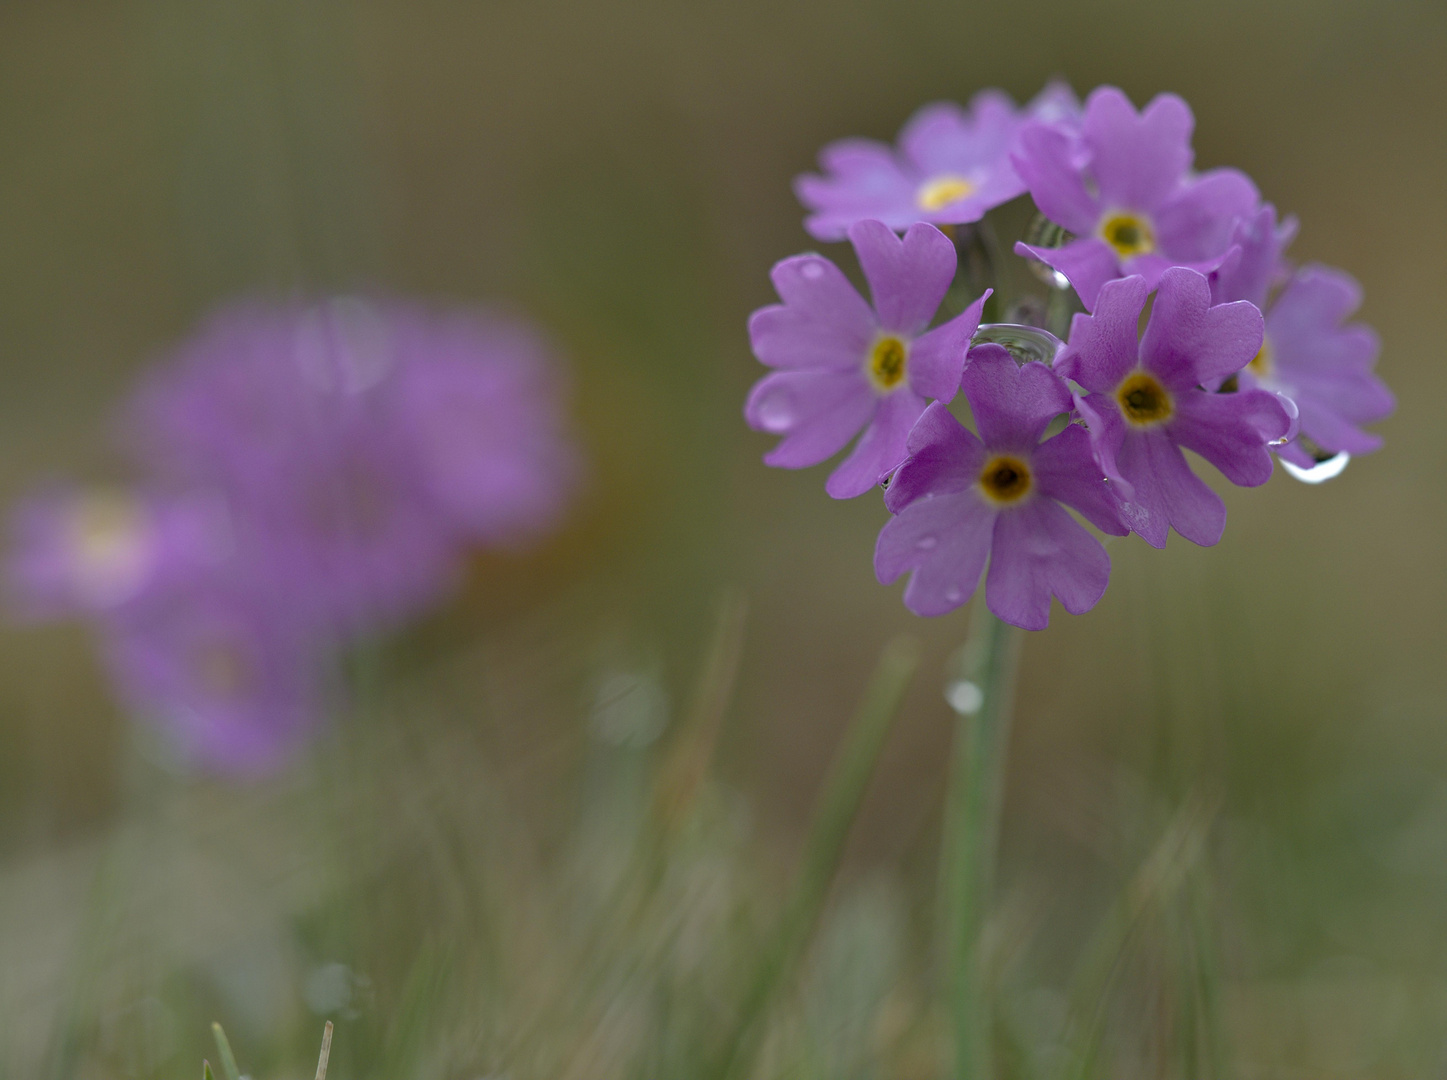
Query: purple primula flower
1145	400
483	405
847	366
90	552
961	499
1125	189
225	670
1308	356
952	165
361	445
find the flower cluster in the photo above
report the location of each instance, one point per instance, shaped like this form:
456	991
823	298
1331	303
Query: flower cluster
312	473
1242	357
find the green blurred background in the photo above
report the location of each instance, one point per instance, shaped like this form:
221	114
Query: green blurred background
620	172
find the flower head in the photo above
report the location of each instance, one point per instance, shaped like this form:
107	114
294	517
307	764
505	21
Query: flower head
1145	400
360	445
846	365
962	499
1125	189
951	165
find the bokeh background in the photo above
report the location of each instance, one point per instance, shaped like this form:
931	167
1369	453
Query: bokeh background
620	172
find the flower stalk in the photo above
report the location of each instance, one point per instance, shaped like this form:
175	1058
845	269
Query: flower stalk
983	697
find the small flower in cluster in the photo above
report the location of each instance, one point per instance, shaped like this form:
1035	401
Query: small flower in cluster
1309	355
1145	400
952	165
845	365
961	499
1124	188
312	472
1208	374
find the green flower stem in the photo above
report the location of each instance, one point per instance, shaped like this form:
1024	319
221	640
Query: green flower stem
984	699
838	806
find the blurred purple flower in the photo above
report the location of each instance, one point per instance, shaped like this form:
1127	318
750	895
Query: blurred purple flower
847	365
361	445
1125	189
89	552
1145	400
952	165
226	670
961	499
1308	355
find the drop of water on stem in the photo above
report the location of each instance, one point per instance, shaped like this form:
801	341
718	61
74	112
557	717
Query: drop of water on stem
1321	471
964	697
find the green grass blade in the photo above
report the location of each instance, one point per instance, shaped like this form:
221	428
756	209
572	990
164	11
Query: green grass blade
229	1071
838	805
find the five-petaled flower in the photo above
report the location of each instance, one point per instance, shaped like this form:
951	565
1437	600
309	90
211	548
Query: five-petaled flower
1308	356
1145	400
951	166
1125	189
962	498
845	365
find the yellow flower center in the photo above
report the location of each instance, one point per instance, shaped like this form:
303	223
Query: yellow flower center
887	361
107	532
222	670
1130	234
1005	479
1143	400
1262	363
938	193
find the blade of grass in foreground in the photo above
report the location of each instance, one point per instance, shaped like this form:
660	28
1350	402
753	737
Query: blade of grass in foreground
224	1054
839	803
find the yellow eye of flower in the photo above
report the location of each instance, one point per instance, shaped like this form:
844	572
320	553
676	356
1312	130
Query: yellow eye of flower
1262	363
1130	234
1143	400
938	193
1005	479
887	363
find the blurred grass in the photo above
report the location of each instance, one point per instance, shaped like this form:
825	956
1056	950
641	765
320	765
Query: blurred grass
620	170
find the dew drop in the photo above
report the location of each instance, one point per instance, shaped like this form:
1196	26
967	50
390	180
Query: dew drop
925	543
813	269
775	411
954	595
964	697
1321	471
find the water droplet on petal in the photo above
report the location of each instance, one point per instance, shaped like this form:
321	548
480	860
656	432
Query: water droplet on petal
1321	471
964	697
775	411
813	269
1025	343
954	595
925	543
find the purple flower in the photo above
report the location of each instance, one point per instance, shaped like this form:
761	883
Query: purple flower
1145	400
90	552
360	445
952	166
1125	189
962	499
483	405
847	366
1308	355
225	670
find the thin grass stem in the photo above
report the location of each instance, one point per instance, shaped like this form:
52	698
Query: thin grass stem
838	806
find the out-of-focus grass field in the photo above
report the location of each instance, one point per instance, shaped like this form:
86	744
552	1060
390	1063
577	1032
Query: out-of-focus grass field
1228	783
